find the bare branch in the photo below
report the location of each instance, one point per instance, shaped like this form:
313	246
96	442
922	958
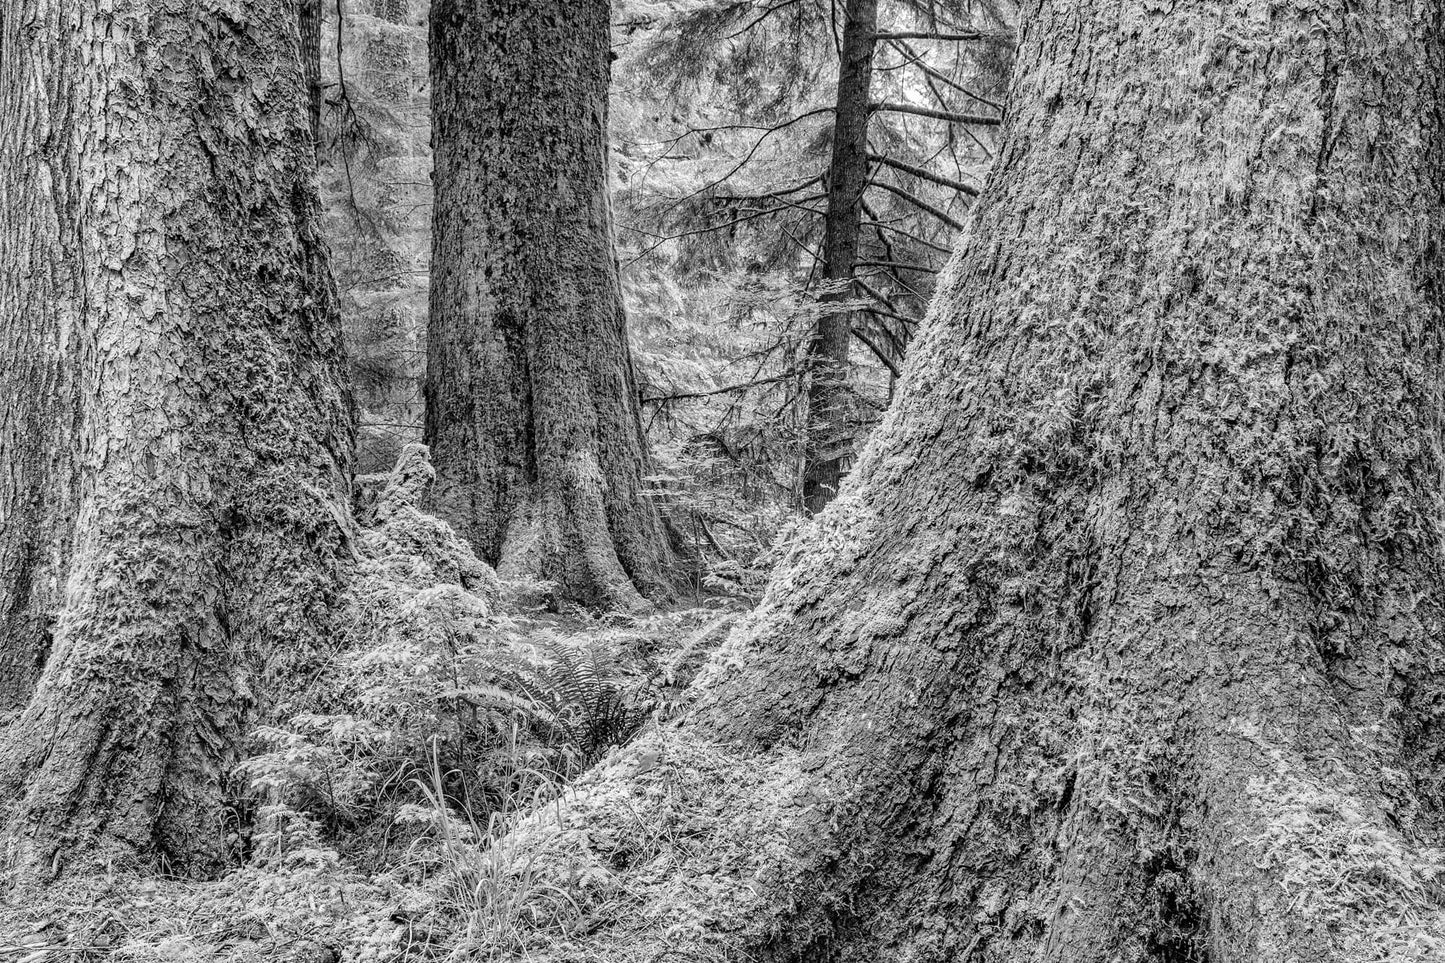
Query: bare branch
884	226
877	352
779	194
897	265
726	389
919	203
746	158
940	76
910	322
760	18
881	298
948	115
969	36
662	239
924	174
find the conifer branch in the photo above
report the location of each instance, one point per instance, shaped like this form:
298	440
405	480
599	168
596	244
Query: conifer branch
948	115
919	203
966	37
923	174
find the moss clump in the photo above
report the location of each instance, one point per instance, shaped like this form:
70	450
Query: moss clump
670	848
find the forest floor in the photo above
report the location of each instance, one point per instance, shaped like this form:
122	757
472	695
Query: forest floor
371	867
372	817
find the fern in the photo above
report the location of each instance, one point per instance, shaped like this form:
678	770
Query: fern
579	701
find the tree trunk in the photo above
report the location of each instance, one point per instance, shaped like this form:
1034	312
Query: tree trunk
176	438
37	392
830	437
532	412
310	23
388	55
1124	641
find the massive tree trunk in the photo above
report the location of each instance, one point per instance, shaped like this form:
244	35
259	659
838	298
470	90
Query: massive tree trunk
830	436
176	438
37	392
532	412
1123	642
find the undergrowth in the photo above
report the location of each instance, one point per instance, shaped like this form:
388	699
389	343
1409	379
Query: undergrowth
371	818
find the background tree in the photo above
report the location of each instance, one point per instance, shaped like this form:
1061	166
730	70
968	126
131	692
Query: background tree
846	182
721	274
377	193
836	145
309	19
178	461
1123	641
532	407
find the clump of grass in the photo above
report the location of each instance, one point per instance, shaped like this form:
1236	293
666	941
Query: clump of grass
494	892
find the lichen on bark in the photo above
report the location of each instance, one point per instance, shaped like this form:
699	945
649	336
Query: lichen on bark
194	532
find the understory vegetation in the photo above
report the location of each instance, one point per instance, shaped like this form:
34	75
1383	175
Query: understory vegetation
371	818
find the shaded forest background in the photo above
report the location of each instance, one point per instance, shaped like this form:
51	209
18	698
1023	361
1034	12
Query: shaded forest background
721	129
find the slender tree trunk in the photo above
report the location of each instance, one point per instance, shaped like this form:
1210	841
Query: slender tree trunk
829	441
310	18
176	438
532	412
1124	641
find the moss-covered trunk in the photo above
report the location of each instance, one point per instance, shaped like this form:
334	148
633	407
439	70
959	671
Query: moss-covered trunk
532	412
1123	643
180	452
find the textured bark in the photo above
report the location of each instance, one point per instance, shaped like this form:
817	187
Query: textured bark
309	19
37	393
176	439
1123	642
829	434
388	55
531	406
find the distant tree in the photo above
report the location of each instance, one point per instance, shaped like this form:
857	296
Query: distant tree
376	193
532	409
863	188
829	437
309	21
174	435
1123	641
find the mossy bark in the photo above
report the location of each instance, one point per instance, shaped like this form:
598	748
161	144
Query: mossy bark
181	444
532	412
1123	642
